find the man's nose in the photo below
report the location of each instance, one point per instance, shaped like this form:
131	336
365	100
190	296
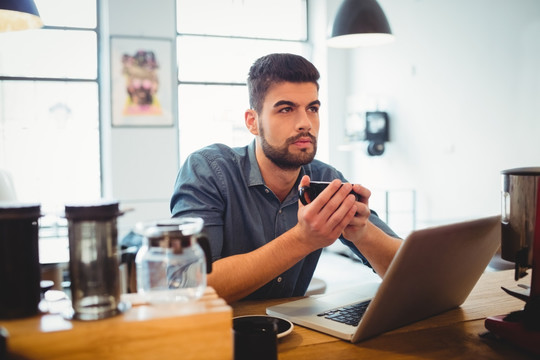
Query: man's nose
303	121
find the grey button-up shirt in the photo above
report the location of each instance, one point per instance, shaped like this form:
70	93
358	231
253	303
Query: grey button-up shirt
224	186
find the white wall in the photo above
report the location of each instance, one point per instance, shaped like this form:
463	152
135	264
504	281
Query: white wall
462	88
139	164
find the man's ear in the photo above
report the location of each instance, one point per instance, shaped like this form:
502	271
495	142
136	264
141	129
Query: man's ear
252	123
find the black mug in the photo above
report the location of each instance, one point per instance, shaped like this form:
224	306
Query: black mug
3	343
255	339
308	193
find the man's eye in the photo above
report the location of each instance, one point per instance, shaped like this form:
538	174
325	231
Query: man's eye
285	110
314	109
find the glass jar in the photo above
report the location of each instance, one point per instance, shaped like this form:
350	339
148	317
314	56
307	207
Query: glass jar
171	264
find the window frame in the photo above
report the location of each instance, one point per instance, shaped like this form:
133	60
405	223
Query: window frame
97	79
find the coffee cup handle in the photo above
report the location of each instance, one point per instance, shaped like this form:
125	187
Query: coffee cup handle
302	194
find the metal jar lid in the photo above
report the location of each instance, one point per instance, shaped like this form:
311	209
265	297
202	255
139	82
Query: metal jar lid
524	171
14	210
101	210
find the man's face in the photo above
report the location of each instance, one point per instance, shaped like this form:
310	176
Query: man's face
288	124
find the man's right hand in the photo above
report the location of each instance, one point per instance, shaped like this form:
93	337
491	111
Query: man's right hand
323	220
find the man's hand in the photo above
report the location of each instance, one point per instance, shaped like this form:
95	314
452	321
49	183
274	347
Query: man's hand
358	226
334	212
323	220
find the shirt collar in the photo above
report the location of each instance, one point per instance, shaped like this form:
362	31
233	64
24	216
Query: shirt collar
253	171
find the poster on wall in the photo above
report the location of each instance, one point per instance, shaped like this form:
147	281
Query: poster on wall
141	81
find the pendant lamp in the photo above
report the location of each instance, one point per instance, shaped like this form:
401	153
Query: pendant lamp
360	23
19	15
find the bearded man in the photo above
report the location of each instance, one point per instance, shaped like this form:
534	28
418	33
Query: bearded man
265	243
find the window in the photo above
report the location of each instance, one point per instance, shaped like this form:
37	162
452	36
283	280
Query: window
49	109
215	50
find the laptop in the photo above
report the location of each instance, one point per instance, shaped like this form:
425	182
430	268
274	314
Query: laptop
434	270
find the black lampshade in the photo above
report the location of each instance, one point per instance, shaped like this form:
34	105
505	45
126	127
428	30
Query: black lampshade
359	23
19	15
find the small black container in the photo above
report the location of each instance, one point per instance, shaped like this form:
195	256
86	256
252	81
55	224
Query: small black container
19	260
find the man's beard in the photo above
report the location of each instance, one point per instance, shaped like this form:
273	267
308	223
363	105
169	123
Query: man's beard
281	155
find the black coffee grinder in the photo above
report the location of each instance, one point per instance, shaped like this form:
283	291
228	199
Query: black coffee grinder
520	243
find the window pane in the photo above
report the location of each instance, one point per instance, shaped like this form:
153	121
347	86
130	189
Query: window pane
222	120
246	18
70	13
49	141
49	53
224	59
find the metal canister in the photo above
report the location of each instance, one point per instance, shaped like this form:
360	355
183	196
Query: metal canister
94	260
520	216
19	260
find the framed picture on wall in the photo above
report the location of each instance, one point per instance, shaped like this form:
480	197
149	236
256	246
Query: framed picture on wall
141	81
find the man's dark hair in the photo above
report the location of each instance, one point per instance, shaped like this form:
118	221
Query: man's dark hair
276	68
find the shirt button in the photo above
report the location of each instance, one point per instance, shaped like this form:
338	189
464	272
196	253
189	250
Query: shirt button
280	211
267	191
279	279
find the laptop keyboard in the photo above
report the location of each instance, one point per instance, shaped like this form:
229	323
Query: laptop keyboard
350	314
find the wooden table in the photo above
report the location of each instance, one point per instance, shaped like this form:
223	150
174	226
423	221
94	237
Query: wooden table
455	334
195	330
204	332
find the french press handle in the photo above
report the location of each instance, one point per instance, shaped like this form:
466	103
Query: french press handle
202	239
